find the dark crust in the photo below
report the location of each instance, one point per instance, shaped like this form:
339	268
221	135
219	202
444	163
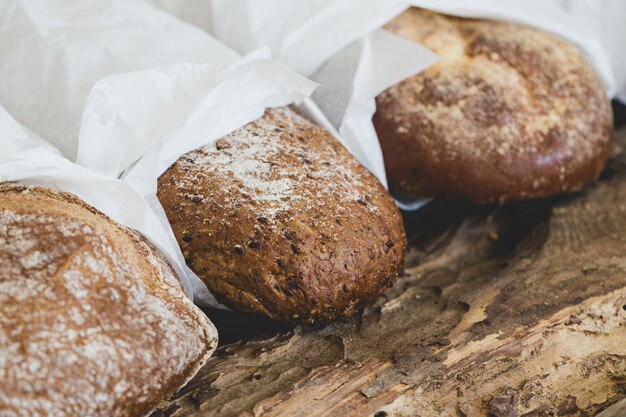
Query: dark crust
324	255
139	398
509	113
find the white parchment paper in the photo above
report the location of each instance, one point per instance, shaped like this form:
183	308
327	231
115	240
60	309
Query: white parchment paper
53	51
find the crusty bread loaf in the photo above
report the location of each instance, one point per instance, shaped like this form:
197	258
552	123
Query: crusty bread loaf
508	113
278	218
93	320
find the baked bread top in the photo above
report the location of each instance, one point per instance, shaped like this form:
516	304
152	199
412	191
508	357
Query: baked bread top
93	320
509	112
279	219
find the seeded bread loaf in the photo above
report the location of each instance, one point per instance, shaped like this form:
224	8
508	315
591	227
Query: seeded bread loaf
93	320
279	219
508	113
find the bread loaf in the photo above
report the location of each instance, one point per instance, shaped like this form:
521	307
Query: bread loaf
508	113
278	218
93	320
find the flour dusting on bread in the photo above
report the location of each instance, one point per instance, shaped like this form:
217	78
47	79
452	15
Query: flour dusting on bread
249	157
93	320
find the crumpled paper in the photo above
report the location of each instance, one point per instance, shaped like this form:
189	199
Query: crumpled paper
179	108
124	89
52	53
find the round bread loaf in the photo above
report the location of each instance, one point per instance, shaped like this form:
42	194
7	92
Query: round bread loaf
93	320
508	113
278	218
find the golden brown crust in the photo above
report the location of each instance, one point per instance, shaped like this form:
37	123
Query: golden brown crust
93	320
508	113
279	219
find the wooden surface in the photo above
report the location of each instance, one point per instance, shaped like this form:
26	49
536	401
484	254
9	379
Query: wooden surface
503	311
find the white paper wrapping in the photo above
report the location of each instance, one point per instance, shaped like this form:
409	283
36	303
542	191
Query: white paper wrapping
125	89
177	109
53	51
304	35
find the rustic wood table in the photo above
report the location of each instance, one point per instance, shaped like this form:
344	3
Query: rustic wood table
506	311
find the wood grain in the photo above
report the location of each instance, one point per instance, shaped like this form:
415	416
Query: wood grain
506	311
